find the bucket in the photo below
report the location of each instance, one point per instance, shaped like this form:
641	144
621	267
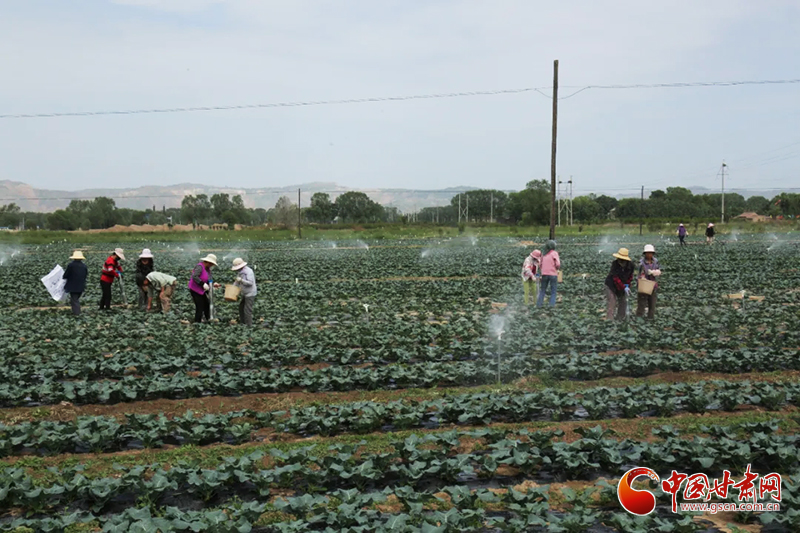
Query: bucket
560	276
646	286
232	293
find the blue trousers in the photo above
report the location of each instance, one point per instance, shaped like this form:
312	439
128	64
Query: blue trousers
551	281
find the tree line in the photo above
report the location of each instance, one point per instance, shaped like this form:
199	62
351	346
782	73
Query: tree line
528	207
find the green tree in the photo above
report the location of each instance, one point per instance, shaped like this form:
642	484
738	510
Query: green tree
586	210
757	204
531	206
356	206
63	219
10	215
322	210
284	212
480	203
606	203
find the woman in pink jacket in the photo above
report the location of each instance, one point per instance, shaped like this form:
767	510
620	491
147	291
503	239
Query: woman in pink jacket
550	265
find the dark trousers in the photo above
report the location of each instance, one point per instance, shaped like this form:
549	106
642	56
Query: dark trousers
246	310
75	302
202	307
105	300
683	239
648	301
616	305
142	297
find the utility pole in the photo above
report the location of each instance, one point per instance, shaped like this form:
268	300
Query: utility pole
553	153
724	166
299	217
641	212
491	207
558	201
571	209
459	208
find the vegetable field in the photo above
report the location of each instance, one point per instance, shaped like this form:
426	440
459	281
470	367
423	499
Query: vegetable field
399	385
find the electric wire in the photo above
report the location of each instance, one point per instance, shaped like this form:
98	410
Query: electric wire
539	90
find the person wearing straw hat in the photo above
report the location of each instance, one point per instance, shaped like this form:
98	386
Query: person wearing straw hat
618	285
682	234
111	271
76	274
246	281
550	265
144	266
163	285
649	269
530	276
710	232
199	285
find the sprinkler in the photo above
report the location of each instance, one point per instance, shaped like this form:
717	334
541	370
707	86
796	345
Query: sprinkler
366	310
499	348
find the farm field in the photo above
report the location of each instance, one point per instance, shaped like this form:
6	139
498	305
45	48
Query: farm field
398	385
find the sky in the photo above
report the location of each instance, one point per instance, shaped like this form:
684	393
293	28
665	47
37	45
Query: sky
100	55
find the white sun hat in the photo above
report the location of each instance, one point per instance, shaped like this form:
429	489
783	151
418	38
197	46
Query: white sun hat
649	248
119	253
239	264
146	254
210	258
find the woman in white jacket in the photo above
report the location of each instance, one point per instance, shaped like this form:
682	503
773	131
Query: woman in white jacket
246	281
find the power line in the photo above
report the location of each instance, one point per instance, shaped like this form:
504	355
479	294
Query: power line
278	104
538	90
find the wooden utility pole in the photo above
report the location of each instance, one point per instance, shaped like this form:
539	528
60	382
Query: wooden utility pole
299	217
724	166
553	153
641	212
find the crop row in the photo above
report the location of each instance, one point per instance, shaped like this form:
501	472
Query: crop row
427	462
401	510
394	376
106	434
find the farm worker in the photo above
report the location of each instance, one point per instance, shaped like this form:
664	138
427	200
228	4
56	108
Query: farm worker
618	285
164	286
246	281
199	285
143	267
710	234
530	275
648	269
682	234
76	274
550	265
111	271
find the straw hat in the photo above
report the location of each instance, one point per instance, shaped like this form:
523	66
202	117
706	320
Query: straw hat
119	253
77	254
146	254
649	248
239	263
210	258
623	254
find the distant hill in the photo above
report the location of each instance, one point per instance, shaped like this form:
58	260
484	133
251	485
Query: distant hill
45	200
406	200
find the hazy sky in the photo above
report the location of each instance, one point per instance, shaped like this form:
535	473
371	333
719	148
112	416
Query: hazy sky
90	55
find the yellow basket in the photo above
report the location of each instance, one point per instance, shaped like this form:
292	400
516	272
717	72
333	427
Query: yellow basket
646	286
232	293
560	276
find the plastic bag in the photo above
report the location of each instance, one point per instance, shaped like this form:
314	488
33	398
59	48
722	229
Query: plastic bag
54	282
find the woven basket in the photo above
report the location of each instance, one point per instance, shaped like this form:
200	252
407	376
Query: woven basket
232	293
646	286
